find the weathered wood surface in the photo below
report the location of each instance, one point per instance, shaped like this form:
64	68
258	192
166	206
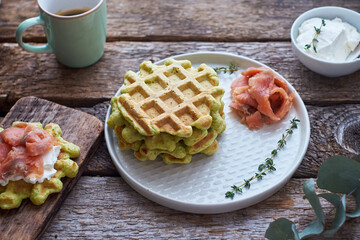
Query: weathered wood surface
24	74
102	205
219	20
107	208
77	127
326	125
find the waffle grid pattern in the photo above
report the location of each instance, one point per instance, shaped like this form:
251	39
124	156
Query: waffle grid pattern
167	99
172	110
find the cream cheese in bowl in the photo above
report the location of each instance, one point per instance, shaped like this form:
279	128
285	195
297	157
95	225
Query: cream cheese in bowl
333	42
332	46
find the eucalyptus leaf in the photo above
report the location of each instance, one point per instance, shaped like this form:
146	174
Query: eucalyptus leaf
310	194
296	234
281	229
339	174
340	215
316	226
356	212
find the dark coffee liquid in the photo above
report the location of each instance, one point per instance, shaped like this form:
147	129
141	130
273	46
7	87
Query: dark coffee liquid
73	12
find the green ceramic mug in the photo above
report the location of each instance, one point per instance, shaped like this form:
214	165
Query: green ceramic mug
76	40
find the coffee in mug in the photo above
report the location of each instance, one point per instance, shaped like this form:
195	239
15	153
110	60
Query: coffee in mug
75	30
73	12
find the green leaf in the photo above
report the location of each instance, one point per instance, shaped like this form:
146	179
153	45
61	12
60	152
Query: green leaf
281	229
296	234
261	167
272	168
356	212
258	176
238	190
340	216
247	183
229	195
339	174
269	161
316	226
311	196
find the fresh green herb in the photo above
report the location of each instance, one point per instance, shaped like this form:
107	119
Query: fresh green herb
315	40
340	176
268	166
231	69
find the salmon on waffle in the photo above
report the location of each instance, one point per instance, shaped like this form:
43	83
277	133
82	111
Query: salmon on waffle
33	160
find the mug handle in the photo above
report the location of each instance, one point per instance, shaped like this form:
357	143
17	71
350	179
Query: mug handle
46	48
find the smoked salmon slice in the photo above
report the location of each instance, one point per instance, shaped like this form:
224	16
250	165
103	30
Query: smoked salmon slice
19	163
260	96
38	142
4	149
13	136
21	149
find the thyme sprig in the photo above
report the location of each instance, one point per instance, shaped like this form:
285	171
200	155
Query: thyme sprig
315	40
267	166
231	69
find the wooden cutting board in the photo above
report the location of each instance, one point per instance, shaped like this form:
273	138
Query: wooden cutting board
30	221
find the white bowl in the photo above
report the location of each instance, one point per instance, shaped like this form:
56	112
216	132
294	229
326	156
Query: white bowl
326	68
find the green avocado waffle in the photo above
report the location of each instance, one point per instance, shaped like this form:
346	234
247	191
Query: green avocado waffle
172	110
14	192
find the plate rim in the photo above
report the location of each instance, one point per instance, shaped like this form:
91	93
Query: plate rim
210	208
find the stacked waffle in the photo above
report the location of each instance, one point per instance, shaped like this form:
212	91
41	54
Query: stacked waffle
172	110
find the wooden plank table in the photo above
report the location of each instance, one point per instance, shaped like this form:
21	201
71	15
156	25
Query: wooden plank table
102	205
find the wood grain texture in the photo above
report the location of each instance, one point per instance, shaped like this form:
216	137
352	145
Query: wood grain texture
24	74
107	208
219	20
327	124
29	221
102	205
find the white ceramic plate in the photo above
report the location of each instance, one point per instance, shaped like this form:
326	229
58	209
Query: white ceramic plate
200	186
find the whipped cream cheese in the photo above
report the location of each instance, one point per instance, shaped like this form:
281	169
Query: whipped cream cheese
49	160
335	42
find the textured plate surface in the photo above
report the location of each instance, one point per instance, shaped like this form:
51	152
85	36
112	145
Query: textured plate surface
200	186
